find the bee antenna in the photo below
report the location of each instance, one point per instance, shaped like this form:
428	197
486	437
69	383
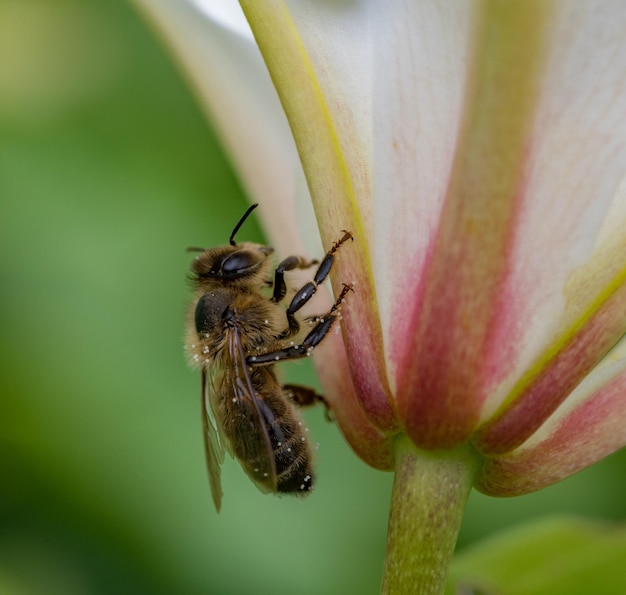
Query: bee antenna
240	223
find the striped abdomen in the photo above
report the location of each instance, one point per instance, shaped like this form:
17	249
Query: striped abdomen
288	439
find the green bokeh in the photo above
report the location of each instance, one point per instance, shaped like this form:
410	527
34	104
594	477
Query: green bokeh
107	172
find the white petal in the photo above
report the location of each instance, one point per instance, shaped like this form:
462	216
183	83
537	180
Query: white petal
420	72
576	161
215	47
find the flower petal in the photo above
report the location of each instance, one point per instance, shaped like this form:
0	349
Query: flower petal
594	319
557	302
542	151
370	444
440	373
215	47
420	68
316	62
590	425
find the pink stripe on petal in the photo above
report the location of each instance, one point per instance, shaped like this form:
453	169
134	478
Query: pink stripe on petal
439	387
575	161
550	381
592	429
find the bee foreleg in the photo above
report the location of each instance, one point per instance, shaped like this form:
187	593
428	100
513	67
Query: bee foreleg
312	340
289	264
306	292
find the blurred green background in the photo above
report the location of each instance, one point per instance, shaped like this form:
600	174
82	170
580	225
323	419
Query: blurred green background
107	172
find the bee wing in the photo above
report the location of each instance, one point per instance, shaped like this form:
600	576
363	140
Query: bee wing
213	447
248	417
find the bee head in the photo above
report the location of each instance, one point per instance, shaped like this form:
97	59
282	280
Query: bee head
231	263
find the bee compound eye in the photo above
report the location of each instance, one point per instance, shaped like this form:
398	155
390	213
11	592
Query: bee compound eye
238	263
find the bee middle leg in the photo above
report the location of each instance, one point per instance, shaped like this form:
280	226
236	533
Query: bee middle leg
312	340
307	292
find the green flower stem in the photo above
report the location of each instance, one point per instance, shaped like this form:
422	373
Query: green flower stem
430	491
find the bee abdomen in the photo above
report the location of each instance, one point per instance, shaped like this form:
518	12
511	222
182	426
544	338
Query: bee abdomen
292	454
293	466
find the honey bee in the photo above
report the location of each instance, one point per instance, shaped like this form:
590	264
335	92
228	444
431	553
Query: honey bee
237	330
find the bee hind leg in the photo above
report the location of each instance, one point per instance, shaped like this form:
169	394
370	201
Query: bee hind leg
306	292
303	396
